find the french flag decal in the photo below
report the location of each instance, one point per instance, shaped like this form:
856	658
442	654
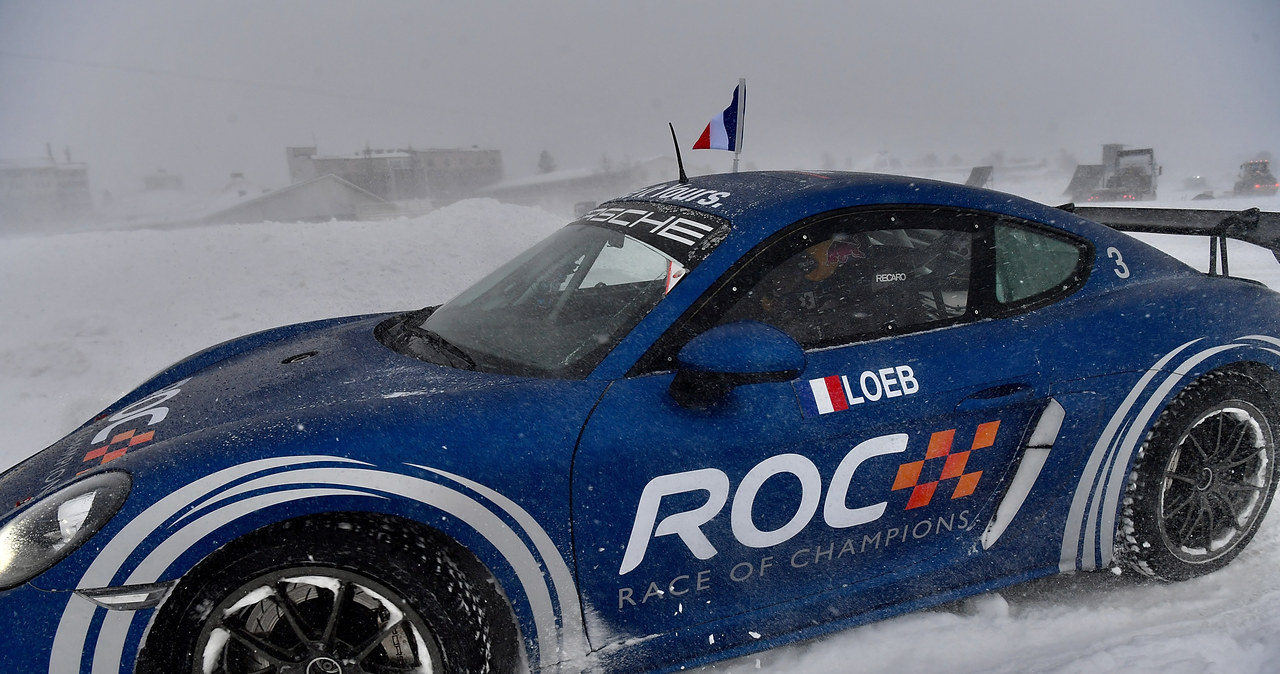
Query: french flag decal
825	395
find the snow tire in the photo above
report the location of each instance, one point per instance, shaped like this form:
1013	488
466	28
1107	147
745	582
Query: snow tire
1202	481
352	593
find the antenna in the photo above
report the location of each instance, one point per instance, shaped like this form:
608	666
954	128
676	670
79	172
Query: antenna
679	161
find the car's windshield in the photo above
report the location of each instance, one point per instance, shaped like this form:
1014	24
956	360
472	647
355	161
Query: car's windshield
558	308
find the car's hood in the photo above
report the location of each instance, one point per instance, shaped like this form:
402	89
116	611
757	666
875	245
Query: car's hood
292	373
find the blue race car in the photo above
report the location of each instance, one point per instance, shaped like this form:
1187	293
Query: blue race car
707	418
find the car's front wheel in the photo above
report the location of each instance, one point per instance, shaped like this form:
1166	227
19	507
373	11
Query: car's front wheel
1203	480
348	594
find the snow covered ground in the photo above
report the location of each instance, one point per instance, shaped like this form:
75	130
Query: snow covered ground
90	315
87	316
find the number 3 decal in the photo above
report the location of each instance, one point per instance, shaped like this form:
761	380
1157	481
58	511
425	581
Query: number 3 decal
1122	269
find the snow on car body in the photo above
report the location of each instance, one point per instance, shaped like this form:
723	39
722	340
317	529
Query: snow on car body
704	419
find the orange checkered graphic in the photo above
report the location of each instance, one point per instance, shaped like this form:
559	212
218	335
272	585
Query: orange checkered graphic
116	448
908	475
953	468
986	435
921	495
967	483
940	444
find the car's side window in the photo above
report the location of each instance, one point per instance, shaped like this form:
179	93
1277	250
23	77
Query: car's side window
1032	266
860	277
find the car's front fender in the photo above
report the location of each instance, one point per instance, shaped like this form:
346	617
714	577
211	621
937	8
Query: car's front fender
167	539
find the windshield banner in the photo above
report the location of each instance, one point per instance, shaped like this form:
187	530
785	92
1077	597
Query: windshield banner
683	234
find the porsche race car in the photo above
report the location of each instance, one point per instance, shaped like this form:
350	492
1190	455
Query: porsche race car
707	418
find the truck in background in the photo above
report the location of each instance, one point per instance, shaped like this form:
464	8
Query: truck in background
1256	178
1123	175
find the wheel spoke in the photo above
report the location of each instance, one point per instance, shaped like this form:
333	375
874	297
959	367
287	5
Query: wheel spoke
1226	506
363	650
1208	526
1191	437
340	600
1239	437
1185	479
267	651
1173	509
1221	430
1189	526
1249	458
291	614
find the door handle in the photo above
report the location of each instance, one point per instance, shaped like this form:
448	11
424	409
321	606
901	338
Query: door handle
997	396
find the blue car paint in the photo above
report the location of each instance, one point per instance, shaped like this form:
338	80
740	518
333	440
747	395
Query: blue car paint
250	401
248	439
747	347
764	421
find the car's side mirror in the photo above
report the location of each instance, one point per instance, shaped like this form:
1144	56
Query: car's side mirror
731	355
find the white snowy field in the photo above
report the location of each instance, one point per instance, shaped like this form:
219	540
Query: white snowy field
87	316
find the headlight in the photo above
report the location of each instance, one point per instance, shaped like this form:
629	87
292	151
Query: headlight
53	527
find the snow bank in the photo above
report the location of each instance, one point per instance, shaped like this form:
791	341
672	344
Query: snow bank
88	316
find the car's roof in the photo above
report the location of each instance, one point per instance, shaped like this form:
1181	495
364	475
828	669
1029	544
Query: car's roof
758	203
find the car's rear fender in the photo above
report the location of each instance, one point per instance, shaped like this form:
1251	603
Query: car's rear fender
1088	538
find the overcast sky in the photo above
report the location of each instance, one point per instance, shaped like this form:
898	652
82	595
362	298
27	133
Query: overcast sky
207	88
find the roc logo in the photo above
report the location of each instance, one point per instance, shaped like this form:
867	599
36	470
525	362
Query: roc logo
952	466
151	408
817	497
115	449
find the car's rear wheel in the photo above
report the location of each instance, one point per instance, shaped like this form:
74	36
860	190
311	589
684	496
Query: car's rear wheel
351	594
1203	480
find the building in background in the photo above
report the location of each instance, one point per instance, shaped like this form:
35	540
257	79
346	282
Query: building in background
45	190
319	199
163	181
440	175
572	191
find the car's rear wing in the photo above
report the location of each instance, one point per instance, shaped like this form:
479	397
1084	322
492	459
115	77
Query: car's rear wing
1254	226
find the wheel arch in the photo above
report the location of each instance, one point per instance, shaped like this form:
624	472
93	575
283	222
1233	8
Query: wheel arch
1249	356
1255	385
371	524
1266	374
1089	532
173	535
1263	373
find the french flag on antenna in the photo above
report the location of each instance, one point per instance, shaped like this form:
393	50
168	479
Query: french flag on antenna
725	130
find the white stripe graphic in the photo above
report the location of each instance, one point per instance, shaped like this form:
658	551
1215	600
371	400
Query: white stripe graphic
575	636
73	630
1071	545
1119	469
1089	534
1263	338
